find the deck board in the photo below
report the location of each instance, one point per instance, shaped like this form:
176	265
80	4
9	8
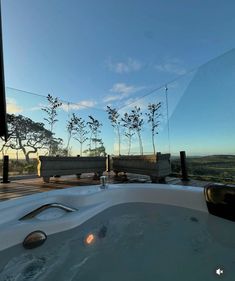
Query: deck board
26	186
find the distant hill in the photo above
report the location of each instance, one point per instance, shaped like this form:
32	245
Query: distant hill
219	168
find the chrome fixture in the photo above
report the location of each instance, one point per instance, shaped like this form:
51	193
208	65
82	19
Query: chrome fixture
37	211
103	182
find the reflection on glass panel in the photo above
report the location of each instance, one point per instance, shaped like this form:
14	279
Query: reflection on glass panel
194	113
202	122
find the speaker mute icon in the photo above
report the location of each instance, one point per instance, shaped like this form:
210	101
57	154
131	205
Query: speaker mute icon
219	271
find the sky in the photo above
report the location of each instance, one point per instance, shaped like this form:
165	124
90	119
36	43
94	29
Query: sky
107	52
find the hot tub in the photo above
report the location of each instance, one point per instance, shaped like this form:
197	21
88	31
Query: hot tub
125	232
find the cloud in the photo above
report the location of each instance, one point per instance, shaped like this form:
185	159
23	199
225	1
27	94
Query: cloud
121	91
78	106
139	102
130	65
130	103
12	106
173	66
37	107
66	107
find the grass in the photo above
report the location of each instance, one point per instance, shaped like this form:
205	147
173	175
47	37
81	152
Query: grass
20	167
216	168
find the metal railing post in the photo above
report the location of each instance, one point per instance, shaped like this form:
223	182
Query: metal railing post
5	169
184	168
108	164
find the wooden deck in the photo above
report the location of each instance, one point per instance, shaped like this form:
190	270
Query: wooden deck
23	186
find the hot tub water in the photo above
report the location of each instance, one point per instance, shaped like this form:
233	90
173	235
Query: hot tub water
140	241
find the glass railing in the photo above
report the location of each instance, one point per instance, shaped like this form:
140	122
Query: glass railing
193	113
202	122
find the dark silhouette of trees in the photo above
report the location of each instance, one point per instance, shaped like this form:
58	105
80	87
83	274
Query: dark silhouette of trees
114	116
94	126
71	129
153	118
80	132
137	123
51	111
57	147
28	136
98	151
128	132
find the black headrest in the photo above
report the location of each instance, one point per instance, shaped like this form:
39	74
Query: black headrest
220	200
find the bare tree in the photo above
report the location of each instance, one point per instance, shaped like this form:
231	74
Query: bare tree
80	131
137	123
51	111
153	118
127	124
113	116
71	129
94	126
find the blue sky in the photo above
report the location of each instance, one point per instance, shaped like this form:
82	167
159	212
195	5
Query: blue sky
112	52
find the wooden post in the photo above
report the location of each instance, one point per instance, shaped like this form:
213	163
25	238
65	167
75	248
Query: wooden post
184	169
5	169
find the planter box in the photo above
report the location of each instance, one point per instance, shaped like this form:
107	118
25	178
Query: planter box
50	166
156	166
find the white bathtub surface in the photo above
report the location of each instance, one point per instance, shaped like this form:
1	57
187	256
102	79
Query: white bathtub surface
89	201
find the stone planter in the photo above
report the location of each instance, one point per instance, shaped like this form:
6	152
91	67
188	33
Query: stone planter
156	166
49	166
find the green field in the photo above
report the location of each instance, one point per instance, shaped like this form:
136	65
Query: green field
20	167
216	168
